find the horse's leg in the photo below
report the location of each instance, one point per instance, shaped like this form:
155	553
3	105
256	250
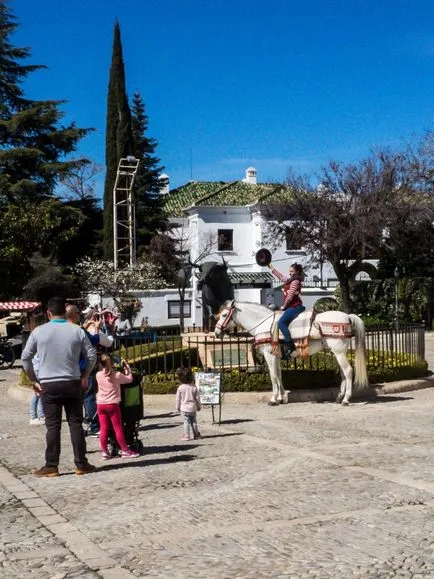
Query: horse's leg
347	375
341	394
272	369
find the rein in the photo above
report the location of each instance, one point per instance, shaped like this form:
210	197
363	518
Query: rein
230	311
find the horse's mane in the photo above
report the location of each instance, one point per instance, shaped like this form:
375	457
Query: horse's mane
259	307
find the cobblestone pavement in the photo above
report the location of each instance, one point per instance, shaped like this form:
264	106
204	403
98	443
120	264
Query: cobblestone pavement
297	491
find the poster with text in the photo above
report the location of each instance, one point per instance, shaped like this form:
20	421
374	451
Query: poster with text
209	386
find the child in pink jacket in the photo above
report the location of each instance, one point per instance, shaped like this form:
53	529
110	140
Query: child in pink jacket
188	403
108	398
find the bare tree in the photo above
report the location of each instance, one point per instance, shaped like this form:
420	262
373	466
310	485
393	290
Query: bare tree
349	216
171	253
183	240
80	183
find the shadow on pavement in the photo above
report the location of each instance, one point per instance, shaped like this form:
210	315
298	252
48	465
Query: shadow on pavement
158	426
115	463
167	415
383	399
221	435
237	420
169	448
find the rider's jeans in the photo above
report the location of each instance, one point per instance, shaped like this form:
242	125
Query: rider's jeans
286	318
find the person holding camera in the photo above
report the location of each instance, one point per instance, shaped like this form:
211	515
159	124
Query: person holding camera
92	326
108	398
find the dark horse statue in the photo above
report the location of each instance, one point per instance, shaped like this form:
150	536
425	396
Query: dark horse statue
216	288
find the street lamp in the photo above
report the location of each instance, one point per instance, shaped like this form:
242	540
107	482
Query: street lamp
396	274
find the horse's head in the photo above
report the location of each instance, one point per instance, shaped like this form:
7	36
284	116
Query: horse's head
216	286
225	322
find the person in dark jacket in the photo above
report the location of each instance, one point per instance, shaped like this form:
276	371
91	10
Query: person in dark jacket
292	304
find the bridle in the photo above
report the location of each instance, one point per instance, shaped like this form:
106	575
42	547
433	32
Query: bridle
221	325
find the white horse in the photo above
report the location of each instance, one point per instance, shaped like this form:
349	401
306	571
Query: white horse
258	321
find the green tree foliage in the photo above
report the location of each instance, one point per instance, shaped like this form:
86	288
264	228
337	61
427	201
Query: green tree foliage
33	145
375	299
119	137
149	212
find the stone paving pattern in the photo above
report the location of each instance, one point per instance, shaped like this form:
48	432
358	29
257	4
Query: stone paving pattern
304	490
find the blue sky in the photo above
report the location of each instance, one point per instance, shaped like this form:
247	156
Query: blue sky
232	83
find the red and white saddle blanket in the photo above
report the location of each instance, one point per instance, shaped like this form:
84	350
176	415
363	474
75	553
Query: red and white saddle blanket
302	329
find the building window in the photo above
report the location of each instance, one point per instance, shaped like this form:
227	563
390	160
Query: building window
293	238
174	309
225	239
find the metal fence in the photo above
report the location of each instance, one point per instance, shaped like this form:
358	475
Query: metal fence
387	346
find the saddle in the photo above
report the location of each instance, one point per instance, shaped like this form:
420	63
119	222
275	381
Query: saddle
305	327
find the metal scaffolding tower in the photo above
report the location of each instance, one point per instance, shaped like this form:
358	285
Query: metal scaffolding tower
124	226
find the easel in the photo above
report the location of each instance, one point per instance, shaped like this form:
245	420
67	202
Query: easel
210	386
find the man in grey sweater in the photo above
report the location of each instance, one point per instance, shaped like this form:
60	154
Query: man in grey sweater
59	346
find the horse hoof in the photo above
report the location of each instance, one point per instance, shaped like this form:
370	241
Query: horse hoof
339	399
273	403
345	403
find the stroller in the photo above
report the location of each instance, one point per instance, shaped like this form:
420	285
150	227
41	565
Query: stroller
132	412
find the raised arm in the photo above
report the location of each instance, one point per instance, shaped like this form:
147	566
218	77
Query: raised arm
89	353
277	273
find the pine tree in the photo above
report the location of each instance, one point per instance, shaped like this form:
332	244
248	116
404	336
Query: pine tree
149	212
32	143
119	139
33	146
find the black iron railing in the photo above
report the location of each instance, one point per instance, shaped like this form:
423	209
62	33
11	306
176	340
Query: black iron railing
387	346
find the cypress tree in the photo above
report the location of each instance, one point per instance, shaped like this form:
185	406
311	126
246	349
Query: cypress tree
119	138
147	199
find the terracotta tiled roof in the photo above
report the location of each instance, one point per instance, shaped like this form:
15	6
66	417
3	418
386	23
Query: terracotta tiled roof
219	194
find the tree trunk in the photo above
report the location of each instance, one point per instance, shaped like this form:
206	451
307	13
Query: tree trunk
345	287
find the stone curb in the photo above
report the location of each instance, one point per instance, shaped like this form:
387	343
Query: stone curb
24	394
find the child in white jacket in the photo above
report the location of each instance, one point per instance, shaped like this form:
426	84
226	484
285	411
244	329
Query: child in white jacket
188	403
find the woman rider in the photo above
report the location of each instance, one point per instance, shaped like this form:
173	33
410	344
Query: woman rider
292	305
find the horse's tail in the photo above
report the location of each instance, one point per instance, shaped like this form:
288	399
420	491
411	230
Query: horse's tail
361	374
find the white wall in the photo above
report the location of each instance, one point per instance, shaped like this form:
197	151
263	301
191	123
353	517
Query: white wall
155	307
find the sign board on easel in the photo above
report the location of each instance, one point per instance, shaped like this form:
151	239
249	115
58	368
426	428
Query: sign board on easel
210	389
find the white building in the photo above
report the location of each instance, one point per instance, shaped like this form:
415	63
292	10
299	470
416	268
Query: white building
229	215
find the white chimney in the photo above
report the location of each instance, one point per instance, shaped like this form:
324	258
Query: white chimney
250	177
164	184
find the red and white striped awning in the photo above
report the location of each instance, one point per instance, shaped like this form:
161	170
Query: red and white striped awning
18	306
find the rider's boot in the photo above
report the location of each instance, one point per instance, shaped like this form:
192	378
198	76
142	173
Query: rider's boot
288	348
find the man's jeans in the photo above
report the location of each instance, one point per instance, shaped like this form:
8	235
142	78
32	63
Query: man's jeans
90	404
286	318
67	394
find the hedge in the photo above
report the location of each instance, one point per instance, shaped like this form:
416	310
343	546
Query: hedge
241	381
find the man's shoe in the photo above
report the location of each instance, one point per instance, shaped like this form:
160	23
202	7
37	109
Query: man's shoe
86	468
47	471
34	422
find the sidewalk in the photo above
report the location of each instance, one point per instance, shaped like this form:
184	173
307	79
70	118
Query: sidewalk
301	490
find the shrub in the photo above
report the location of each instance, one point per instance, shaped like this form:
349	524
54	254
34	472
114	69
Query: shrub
241	381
